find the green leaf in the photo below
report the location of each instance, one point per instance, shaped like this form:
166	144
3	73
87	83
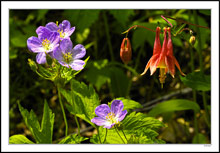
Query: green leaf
197	81
97	73
82	100
19	40
122	16
206	12
73	139
19	139
129	104
174	105
135	121
119	82
44	133
111	138
82	19
141	36
137	127
199	139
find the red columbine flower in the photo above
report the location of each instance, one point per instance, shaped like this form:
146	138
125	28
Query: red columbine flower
125	51
163	58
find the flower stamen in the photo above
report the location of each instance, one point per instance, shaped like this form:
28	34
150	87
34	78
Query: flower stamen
46	44
67	57
162	76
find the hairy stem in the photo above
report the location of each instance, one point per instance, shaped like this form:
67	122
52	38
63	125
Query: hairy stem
77	123
116	129
62	108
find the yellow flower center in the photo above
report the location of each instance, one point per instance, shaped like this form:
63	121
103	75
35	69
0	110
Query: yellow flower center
111	118
62	34
46	44
67	57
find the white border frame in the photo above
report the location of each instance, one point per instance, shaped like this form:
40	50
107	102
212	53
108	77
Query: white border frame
214	6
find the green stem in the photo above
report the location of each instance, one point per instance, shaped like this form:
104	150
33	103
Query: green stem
108	37
119	134
124	135
105	135
98	134
194	91
77	123
207	118
62	108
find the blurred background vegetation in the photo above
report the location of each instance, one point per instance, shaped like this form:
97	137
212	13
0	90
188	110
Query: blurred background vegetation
100	31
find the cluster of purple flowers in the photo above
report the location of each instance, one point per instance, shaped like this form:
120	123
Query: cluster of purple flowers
54	40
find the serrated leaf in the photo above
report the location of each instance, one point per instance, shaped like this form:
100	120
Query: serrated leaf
139	120
129	104
19	139
174	105
44	133
197	81
82	100
73	139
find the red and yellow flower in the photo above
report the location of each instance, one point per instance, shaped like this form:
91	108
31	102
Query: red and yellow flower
163	57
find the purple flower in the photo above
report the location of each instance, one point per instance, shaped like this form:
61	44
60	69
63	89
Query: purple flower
108	117
69	56
46	42
63	28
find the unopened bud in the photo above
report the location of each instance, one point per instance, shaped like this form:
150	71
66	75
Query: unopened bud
125	51
192	40
32	64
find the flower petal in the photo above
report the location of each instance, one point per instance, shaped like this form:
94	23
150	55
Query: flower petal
117	107
69	32
65	25
57	54
77	65
178	66
52	26
102	110
170	65
54	40
41	58
78	51
43	33
122	115
34	45
66	45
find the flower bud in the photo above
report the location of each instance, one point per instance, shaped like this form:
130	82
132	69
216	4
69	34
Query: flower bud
125	51
192	40
32	64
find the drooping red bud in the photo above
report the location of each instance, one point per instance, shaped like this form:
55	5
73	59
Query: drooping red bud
125	51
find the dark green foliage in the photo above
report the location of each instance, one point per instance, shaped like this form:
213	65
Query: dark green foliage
43	133
72	139
197	81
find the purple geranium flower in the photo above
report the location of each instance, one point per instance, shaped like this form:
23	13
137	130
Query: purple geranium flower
46	42
69	56
107	117
63	28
